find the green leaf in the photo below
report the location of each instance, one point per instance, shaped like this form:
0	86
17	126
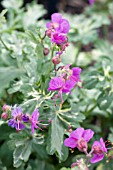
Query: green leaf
55	138
72	118
42	165
26	151
12	4
22	152
7	74
17	156
32	14
40	151
32	36
104	100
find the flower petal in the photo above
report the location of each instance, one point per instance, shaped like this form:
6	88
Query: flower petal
96	143
91	2
68	86
48	24
64	26
103	145
56	83
70	142
35	115
19	126
96	158
11	123
56	17
76	73
34	120
17	111
77	134
88	134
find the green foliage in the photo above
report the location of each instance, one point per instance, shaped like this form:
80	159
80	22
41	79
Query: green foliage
25	74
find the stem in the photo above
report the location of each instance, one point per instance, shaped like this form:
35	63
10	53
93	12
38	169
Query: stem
89	111
55	69
63	120
50	66
7	48
87	160
43	37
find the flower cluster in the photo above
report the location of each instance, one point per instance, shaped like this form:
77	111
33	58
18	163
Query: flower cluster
65	81
57	30
80	138
17	119
65	78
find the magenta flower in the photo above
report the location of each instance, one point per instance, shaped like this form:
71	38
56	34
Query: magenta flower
76	74
61	85
72	74
66	81
98	149
34	120
79	138
59	24
91	2
17	112
15	122
59	39
69	85
56	84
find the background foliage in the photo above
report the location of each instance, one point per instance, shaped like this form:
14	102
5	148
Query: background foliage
25	74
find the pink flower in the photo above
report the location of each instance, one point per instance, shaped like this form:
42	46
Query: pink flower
98	149
61	85
66	81
72	74
57	30
79	139
91	2
69	85
16	120
59	24
56	84
76	74
34	120
59	38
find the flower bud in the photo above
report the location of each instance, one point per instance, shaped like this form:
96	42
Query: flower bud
82	145
49	32
6	108
56	60
4	116
46	51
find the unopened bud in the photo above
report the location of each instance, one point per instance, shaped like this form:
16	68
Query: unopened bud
6	108
82	145
49	32
74	164
4	116
46	51
56	60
